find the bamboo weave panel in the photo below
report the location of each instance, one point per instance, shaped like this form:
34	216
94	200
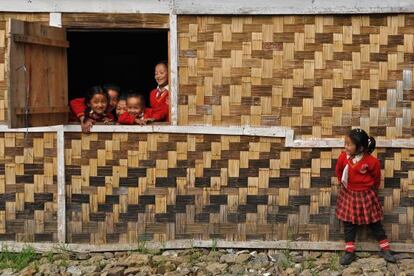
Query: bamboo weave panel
28	188
126	187
319	75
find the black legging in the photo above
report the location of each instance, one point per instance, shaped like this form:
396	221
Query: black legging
376	228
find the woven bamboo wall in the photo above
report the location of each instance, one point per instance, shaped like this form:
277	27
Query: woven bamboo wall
125	187
4	17
28	189
319	75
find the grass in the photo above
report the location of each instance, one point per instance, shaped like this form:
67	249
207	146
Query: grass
17	260
194	256
214	245
334	262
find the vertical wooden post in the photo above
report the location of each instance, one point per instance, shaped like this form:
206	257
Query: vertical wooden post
173	53
61	194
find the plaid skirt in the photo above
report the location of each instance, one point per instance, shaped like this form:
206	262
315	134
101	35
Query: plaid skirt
362	207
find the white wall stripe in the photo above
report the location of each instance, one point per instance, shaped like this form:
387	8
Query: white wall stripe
282	132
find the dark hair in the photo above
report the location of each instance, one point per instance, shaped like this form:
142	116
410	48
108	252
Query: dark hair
362	141
94	90
134	94
163	62
110	86
123	97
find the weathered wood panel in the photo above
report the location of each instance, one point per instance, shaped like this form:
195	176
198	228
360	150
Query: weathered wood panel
4	18
115	20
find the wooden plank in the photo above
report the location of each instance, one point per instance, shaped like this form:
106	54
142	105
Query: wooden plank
40	41
61	190
173	64
42	110
188	244
37	74
115	20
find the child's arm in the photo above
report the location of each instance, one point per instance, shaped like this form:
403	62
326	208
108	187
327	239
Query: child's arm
126	119
78	107
376	173
157	114
109	118
340	166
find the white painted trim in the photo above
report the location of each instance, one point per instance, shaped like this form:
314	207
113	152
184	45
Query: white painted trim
173	69
93	6
189	244
282	132
245	7
250	131
61	192
55	19
241	7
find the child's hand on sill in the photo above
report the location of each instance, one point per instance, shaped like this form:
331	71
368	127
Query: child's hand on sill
140	122
107	121
86	126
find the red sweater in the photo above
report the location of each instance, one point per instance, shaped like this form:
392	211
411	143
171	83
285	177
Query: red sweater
362	175
162	102
78	108
149	113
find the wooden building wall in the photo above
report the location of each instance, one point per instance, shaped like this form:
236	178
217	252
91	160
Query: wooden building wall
125	187
319	75
28	190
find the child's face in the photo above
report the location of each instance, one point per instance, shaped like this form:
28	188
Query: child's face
350	147
161	74
98	103
121	107
135	106
113	99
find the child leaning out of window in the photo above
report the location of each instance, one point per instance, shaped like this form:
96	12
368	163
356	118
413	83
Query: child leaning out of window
137	112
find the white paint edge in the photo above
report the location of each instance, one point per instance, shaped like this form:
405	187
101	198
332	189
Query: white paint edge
291	7
189	244
55	19
61	192
174	69
243	7
98	6
282	132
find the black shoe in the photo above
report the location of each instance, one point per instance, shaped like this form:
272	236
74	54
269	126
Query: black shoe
387	255
347	258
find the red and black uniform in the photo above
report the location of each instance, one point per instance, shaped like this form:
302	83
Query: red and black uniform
78	107
160	99
149	113
358	202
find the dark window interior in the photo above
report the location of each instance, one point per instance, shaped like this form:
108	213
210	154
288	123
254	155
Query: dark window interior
123	57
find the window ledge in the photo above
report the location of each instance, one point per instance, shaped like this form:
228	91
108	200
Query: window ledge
281	132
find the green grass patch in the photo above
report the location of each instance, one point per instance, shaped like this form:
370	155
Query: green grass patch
17	260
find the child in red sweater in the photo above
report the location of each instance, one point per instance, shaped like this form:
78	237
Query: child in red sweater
78	105
96	109
159	97
359	174
137	113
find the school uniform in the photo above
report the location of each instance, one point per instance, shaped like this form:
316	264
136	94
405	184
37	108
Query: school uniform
78	107
149	113
358	202
160	99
